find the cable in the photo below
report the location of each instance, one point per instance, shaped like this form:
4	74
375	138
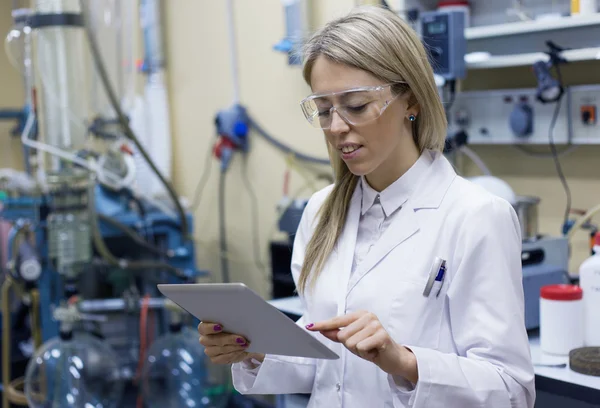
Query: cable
562	153
283	147
105	253
133	235
557	164
203	179
122	119
254	204
223	229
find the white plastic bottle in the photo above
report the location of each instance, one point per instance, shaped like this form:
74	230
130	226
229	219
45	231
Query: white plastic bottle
589	280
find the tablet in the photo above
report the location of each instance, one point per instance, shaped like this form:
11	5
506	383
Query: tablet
242	311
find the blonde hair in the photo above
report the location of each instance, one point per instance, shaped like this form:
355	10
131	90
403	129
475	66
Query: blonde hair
375	40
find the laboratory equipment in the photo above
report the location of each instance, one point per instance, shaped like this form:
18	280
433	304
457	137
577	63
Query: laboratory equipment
177	373
589	280
527	211
443	33
73	370
584	102
82	236
561	318
297	28
508	116
545	261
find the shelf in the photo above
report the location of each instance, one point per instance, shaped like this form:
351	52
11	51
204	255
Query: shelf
524	27
502	61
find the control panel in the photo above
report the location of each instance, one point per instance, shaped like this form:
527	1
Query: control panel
443	33
512	116
585	102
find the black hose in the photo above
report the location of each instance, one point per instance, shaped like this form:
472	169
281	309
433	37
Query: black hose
285	148
133	235
123	121
223	229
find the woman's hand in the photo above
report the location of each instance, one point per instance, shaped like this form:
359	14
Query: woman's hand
363	334
222	347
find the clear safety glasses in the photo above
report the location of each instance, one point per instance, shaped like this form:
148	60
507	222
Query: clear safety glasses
356	106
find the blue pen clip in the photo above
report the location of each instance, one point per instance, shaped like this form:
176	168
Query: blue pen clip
440	277
436	277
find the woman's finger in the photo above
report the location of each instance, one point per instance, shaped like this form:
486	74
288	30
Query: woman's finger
207	328
223	339
217	351
367	331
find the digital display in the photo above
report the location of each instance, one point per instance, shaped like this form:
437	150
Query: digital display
436	27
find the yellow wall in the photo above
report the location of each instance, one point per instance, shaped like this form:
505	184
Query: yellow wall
11	96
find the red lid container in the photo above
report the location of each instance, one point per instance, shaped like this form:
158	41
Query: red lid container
561	292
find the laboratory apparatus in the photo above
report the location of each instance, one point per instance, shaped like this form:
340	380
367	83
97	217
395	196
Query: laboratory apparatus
85	246
177	373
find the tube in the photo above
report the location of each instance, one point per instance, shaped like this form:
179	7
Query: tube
6	329
133	235
114	305
475	159
125	124
582	220
105	252
233	53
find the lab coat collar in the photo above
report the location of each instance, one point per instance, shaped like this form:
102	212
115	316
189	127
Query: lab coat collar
428	194
396	194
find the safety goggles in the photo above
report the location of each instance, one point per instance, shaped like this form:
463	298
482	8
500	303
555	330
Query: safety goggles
356	106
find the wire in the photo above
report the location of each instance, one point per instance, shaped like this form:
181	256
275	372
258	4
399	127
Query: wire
562	153
283	147
133	235
254	204
223	229
557	164
203	179
123	121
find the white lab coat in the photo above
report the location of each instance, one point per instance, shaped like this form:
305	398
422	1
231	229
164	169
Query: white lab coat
470	342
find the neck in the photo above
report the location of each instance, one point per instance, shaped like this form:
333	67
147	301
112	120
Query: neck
398	163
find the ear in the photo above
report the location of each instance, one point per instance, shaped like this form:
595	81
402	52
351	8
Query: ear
412	106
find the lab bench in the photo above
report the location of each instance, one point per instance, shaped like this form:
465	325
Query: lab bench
556	387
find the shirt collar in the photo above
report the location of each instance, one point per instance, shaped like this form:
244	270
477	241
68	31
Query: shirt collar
396	194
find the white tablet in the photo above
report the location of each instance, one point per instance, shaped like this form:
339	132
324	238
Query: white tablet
242	311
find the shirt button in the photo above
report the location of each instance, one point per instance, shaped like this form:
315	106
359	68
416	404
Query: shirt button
338	386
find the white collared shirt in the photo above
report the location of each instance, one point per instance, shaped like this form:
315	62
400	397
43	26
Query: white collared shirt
379	209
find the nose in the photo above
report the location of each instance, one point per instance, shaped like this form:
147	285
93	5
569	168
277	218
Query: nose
338	124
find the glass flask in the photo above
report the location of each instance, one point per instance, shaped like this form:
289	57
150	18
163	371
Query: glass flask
177	373
74	370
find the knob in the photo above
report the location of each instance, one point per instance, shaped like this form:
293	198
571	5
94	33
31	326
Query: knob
521	120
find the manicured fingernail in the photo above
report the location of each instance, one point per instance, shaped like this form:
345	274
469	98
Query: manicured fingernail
240	340
217	327
308	326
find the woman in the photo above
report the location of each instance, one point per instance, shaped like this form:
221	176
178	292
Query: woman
367	245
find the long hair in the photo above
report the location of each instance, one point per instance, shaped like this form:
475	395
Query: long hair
378	41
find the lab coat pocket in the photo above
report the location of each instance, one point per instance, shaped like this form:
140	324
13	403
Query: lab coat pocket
415	319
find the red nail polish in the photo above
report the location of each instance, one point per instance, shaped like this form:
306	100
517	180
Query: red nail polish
308	326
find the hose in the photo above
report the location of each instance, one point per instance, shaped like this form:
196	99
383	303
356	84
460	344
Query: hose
105	252
6	329
10	393
475	159
133	235
582	220
223	229
123	121
283	147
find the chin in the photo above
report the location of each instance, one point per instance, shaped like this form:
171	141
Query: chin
357	169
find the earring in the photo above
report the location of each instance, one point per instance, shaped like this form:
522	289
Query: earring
412	117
